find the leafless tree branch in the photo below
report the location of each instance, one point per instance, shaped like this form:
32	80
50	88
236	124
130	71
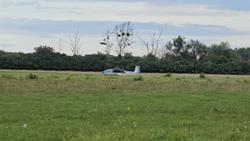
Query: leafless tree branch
74	41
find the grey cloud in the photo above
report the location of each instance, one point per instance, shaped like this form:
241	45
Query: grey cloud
5	45
239	5
22	3
49	27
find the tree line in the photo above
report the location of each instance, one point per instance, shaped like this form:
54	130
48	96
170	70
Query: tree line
176	56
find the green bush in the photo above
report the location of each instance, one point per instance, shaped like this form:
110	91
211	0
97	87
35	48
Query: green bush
168	75
138	78
246	81
87	77
69	77
32	76
202	75
210	81
178	78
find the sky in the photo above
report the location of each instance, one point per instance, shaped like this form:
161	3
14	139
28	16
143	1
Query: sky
25	24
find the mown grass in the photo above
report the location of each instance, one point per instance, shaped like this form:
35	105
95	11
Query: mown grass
69	106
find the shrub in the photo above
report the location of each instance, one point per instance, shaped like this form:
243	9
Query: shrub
69	77
87	77
168	75
246	81
32	76
178	78
138	78
209	81
202	75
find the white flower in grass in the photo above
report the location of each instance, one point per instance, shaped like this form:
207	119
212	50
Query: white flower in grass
134	123
25	125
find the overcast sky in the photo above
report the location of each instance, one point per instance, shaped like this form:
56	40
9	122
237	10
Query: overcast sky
25	24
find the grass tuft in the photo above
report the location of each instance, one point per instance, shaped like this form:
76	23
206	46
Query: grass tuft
32	76
177	78
247	81
168	75
70	77
138	78
202	75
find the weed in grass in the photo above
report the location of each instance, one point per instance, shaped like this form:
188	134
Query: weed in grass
202	75
32	76
209	80
178	78
87	77
247	81
69	77
168	75
138	78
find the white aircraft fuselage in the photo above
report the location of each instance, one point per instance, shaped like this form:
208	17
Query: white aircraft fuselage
120	72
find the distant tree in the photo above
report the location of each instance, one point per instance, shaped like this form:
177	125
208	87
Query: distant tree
244	53
43	57
1	52
153	44
221	53
192	50
197	49
43	49
60	45
177	46
74	42
123	36
107	42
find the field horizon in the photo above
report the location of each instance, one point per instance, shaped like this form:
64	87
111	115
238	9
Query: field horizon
99	73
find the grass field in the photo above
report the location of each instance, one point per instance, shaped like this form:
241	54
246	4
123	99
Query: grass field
75	106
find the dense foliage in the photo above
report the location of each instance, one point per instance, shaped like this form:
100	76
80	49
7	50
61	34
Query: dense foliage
179	56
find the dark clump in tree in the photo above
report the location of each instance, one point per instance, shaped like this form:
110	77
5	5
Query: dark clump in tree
120	38
107	42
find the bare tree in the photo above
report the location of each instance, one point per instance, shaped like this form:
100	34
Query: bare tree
107	42
123	37
74	42
153	44
59	42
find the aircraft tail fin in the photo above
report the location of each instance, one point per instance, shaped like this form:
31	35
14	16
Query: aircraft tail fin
137	69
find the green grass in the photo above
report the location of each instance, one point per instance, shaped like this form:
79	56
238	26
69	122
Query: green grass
74	106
